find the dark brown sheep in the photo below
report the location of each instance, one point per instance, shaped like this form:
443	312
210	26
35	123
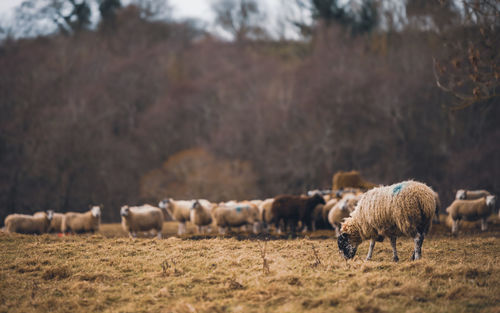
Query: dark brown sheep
292	209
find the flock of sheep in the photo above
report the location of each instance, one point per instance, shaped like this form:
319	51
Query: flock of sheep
403	209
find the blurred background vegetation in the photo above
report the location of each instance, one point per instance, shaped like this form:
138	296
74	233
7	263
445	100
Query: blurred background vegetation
133	106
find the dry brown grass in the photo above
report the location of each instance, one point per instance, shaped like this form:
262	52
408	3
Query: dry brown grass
109	272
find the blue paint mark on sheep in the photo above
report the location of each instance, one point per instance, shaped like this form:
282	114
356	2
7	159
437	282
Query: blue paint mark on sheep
240	208
397	189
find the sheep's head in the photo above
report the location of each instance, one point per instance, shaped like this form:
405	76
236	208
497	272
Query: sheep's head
461	194
491	201
346	247
163	204
348	240
196	205
96	211
124	211
50	214
317	199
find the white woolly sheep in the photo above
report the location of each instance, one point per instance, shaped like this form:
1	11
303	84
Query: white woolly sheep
28	224
237	214
201	216
403	209
180	210
471	210
341	210
82	222
317	216
327	207
464	194
141	219
55	223
265	213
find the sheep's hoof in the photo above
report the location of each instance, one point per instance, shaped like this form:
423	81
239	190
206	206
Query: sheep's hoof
368	259
395	259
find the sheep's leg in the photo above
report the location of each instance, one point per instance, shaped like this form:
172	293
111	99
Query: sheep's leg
221	230
293	226
278	227
313	227
264	227
256	227
305	228
417	252
132	235
484	224
370	250
454	227
183	228
198	229
394	250
158	234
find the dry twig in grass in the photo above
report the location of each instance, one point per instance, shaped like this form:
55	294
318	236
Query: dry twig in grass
165	266
265	263
317	260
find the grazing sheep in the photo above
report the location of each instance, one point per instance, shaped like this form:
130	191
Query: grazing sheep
82	222
292	209
463	194
141	218
55	223
317	216
352	179
403	209
236	214
28	224
180	210
327	207
471	210
265	213
200	216
341	211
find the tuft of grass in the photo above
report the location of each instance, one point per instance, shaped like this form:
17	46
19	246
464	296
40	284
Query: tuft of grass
57	272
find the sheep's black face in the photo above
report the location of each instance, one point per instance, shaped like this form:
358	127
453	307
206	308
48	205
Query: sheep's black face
345	246
318	199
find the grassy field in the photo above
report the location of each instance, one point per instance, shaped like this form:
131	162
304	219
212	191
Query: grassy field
111	273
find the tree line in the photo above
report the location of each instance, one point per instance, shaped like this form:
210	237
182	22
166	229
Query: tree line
137	108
